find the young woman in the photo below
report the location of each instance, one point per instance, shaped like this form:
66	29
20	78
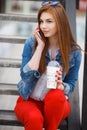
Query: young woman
38	106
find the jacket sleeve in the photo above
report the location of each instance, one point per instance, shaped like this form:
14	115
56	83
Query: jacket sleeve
25	71
28	77
72	76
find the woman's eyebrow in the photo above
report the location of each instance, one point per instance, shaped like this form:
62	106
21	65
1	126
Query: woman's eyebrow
48	19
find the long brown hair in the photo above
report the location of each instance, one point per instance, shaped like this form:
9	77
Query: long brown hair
65	38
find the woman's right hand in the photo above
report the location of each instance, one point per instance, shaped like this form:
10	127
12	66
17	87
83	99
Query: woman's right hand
38	38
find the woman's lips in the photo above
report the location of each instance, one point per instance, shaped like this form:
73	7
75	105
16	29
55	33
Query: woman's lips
45	32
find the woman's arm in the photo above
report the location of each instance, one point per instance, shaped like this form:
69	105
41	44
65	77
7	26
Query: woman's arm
31	62
29	76
35	60
70	79
29	67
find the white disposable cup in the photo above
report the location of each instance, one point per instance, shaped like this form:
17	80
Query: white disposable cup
51	76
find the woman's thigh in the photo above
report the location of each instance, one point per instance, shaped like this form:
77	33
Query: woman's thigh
56	102
28	110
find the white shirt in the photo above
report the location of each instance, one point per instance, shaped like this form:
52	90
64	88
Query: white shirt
41	89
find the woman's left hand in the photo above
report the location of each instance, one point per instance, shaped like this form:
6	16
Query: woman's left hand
59	79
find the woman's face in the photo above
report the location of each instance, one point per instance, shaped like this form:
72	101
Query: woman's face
48	25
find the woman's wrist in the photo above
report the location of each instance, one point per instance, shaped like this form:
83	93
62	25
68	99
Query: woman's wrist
40	47
61	86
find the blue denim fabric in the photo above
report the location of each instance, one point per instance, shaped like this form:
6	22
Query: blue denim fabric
30	77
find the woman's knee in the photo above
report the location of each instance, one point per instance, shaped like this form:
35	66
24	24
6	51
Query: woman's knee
55	95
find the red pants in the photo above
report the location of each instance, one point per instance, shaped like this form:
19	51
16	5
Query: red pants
34	114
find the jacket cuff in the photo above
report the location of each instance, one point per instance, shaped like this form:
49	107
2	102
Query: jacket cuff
66	88
27	69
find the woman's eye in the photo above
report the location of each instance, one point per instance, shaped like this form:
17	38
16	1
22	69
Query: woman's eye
49	21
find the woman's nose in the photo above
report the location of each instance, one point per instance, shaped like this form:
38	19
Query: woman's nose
44	25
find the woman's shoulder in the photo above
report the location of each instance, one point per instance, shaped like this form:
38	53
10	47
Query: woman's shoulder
76	51
30	41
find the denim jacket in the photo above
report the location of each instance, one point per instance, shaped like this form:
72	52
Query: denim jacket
30	77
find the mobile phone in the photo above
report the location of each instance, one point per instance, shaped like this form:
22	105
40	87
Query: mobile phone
39	34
